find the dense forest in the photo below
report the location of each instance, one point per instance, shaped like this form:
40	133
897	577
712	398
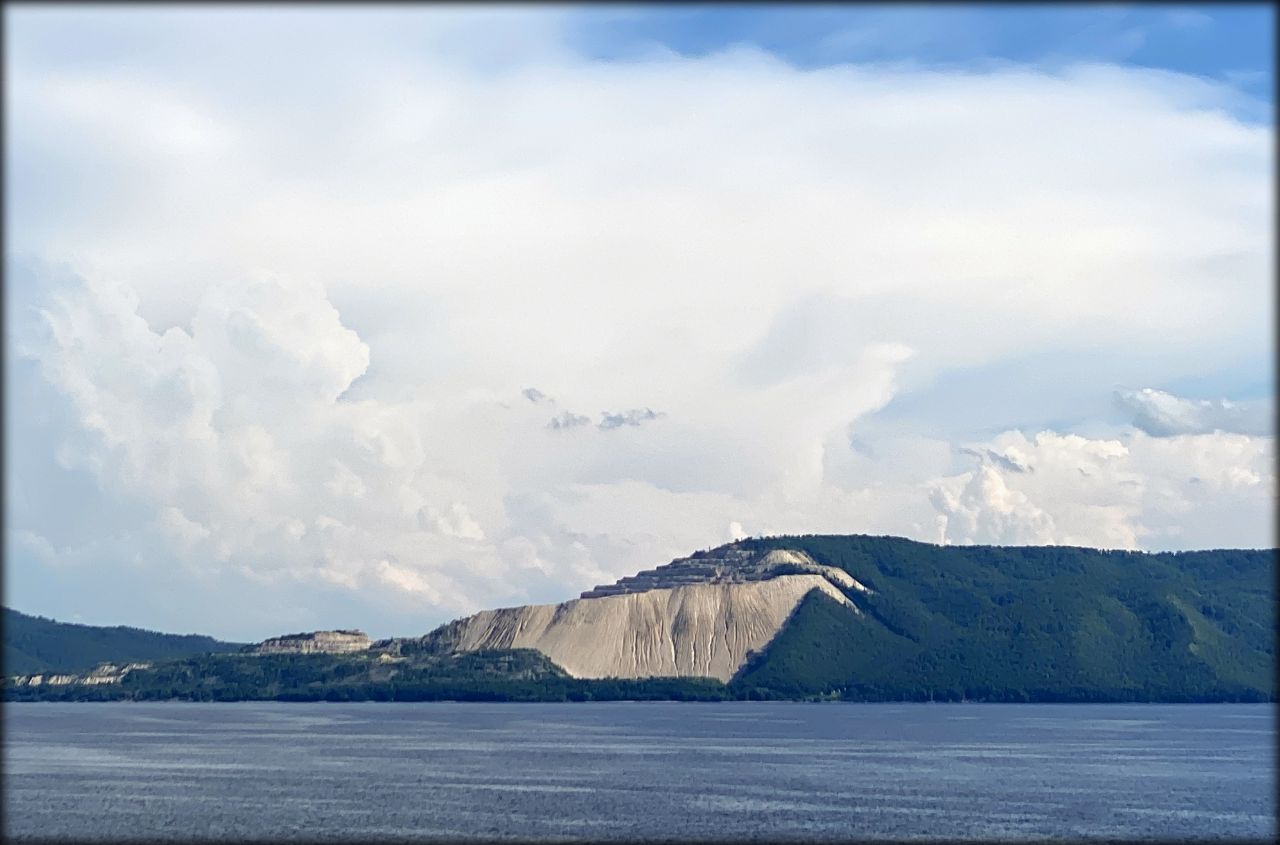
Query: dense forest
510	675
942	623
36	644
1039	623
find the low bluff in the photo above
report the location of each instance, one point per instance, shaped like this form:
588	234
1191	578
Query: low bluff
698	616
315	642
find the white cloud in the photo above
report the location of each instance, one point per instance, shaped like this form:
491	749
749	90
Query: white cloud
983	509
185	532
455	522
1162	414
1215	489
317	283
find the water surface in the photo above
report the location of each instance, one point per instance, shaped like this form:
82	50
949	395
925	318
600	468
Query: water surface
657	770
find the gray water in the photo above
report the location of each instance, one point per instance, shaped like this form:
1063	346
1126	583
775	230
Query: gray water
725	771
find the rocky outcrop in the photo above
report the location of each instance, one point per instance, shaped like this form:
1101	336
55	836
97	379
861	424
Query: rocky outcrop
726	565
698	616
315	642
105	673
45	680
110	673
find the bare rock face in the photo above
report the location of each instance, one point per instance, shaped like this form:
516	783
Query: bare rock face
726	565
699	616
315	642
103	673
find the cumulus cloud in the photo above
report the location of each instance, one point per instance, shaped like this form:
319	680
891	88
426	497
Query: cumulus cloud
1162	414
303	302
237	432
983	508
1137	492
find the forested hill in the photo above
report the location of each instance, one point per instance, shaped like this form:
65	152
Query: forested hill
1027	623
942	623
36	644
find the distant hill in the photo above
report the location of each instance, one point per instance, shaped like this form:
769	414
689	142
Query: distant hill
861	618
889	618
36	644
1026	623
373	675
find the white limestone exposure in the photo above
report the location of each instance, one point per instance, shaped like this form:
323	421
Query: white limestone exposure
315	642
103	673
726	564
699	616
110	673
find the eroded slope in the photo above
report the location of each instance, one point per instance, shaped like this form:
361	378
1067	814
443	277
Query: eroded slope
695	619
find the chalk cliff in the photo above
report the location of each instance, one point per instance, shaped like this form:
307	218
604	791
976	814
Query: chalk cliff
697	616
104	673
315	642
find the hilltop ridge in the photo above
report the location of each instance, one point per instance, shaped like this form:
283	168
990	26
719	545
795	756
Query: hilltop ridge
34	644
727	564
812	616
890	617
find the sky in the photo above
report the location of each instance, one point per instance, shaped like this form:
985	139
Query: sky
376	317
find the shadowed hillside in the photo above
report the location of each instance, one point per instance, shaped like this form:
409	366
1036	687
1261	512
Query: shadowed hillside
36	644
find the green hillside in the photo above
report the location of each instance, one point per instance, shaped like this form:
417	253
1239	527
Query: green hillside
1026	623
36	644
499	675
943	623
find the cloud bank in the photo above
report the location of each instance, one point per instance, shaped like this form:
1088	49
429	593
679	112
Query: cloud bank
279	321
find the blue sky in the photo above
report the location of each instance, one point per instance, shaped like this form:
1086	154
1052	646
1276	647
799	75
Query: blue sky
1220	41
344	316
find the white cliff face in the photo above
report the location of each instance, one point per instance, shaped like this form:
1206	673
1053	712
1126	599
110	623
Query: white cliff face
694	617
103	673
316	642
